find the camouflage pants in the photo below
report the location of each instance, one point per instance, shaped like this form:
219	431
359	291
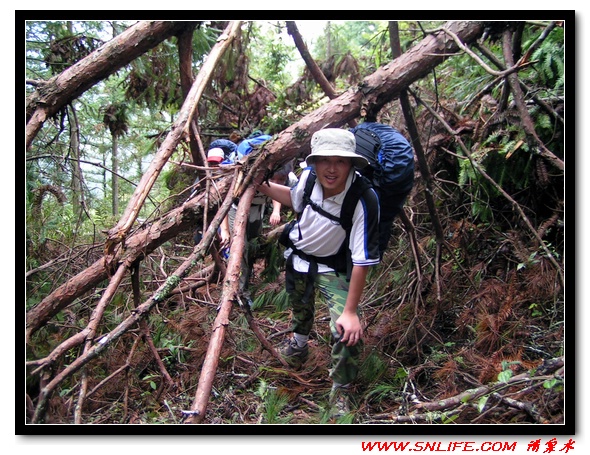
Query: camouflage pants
333	290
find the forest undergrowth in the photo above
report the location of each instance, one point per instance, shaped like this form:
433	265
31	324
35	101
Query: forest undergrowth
480	342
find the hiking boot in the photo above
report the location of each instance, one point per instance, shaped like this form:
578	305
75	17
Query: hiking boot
293	354
339	402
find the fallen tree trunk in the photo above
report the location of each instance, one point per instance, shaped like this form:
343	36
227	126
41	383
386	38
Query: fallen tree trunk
376	90
513	393
228	297
96	347
114	252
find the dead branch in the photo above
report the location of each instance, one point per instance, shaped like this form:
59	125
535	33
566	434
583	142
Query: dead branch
375	90
203	277
490	55
423	164
500	190
443	410
120	248
88	333
228	297
138	245
145	331
471	395
514	68
264	341
525	116
314	69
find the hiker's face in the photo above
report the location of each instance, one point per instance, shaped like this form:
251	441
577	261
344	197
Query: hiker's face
332	172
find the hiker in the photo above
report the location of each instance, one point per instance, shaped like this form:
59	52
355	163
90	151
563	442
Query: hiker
255	216
229	148
216	156
253	142
221	151
314	240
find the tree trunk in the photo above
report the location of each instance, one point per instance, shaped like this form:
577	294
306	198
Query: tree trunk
313	67
77	184
185	57
137	246
115	175
62	89
376	90
230	290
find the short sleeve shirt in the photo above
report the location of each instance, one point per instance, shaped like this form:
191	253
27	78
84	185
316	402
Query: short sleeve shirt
320	236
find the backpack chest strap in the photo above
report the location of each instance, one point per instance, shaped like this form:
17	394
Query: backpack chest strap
323	212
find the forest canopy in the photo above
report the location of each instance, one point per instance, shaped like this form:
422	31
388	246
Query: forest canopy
131	312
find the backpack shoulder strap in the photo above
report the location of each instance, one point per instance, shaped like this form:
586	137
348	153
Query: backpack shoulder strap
343	257
356	190
360	185
311	178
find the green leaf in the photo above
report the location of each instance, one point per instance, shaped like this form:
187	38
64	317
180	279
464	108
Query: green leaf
505	375
481	404
550	383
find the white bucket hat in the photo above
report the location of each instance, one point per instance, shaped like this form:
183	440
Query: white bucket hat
335	142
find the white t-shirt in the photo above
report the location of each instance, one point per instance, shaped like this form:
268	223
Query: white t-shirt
318	235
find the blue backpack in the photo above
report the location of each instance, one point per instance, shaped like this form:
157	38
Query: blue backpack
390	156
251	143
230	149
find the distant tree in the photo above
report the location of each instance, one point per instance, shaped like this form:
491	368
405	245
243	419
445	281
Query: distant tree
115	118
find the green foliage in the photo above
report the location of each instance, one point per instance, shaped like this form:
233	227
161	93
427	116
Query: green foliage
506	373
365	40
550	58
275	262
278	117
373	368
153	79
273	403
270	56
553	383
55	45
116	118
271	298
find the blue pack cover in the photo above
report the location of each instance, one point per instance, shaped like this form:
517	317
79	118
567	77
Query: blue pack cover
226	145
396	157
247	145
